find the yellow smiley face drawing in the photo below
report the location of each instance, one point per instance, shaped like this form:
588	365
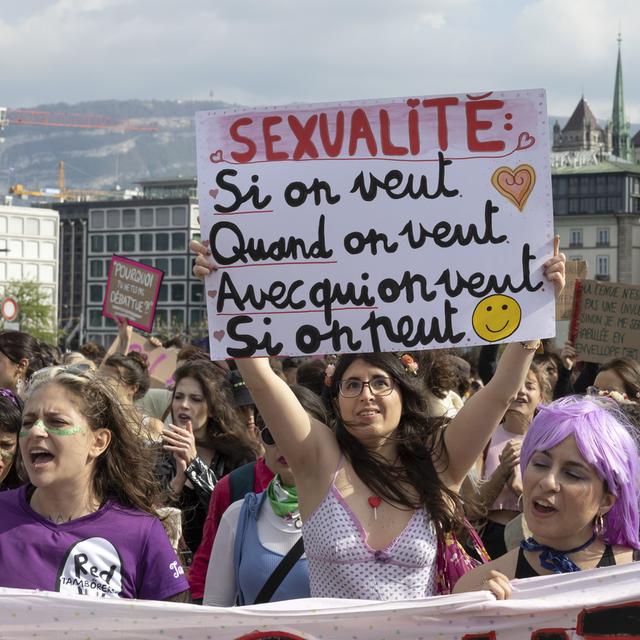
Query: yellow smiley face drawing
496	317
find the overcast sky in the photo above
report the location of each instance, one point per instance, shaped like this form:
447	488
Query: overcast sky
276	51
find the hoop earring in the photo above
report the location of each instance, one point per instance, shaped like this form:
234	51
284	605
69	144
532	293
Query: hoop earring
519	503
598	527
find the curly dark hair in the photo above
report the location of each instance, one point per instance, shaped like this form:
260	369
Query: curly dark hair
414	482
438	370
226	432
132	370
93	351
125	471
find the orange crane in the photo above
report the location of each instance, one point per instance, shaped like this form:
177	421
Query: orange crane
61	193
28	117
61	119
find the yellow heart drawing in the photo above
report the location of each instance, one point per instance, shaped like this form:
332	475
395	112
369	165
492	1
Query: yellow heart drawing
515	184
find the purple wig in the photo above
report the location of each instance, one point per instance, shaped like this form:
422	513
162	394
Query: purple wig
606	443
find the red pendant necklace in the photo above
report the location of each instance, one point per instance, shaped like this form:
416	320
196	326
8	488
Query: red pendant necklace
374	503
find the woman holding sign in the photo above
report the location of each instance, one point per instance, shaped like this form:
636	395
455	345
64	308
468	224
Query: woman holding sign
579	465
378	496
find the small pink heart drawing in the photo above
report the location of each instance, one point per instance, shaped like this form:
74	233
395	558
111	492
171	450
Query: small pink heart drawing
214	193
212	294
525	140
205	243
216	156
515	184
218	335
413	102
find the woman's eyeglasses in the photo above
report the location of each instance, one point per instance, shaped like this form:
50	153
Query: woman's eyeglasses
378	385
265	434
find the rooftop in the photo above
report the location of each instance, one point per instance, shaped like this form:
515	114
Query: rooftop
581	117
607	166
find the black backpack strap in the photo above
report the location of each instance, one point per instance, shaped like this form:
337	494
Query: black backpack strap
241	481
280	573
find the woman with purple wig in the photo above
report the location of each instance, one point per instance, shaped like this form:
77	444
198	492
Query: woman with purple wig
579	464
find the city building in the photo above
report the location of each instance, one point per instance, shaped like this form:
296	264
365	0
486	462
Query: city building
597	214
582	133
29	250
155	230
596	190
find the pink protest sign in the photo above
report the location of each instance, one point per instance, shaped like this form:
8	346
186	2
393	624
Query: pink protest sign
377	225
132	292
161	362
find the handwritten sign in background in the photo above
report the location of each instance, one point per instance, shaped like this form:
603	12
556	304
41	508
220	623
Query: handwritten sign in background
377	225
161	362
132	292
608	321
576	270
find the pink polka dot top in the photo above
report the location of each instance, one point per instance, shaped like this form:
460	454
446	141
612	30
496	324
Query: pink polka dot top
343	565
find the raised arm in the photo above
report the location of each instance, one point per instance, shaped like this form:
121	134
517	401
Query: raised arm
304	442
122	342
469	432
309	446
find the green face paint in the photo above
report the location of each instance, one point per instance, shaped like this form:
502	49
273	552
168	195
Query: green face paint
7	455
65	431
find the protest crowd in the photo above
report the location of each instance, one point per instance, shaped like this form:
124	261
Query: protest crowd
376	476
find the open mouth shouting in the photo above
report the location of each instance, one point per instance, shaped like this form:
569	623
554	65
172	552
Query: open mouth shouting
543	507
40	457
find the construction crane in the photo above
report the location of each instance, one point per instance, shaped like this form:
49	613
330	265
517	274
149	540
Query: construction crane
62	193
31	118
28	117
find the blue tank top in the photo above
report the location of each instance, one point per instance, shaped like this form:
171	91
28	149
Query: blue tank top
254	563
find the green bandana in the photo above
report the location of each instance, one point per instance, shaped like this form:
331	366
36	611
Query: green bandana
284	500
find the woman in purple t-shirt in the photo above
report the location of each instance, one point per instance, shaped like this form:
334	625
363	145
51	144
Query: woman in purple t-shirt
86	522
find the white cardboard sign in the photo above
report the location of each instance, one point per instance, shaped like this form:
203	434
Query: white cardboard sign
378	225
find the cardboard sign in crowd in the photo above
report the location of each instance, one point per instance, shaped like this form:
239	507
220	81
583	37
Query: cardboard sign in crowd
161	362
132	292
606	320
378	225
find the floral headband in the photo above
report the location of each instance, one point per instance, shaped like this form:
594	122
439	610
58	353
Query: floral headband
409	364
7	393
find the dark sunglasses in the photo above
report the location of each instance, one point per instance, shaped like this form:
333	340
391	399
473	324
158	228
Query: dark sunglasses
265	434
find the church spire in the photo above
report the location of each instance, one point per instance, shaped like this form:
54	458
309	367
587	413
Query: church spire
619	126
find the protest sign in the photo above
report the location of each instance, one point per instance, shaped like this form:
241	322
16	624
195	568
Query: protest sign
132	292
576	270
606	321
378	225
161	361
590	605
